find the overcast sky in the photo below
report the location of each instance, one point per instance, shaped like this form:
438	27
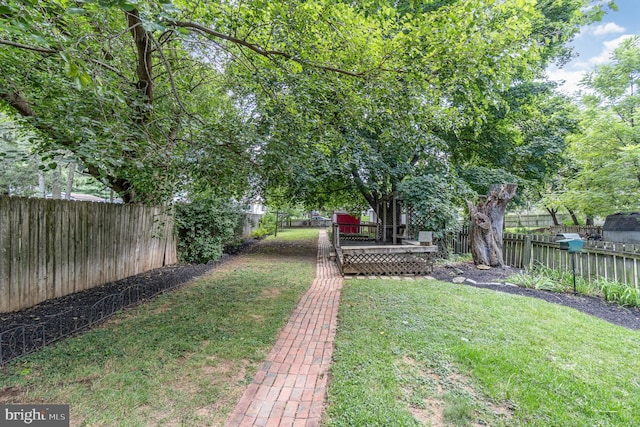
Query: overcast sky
596	42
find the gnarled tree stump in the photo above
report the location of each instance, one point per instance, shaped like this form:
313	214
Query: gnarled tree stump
486	220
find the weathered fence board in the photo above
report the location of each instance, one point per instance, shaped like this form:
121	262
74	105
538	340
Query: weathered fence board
583	230
458	243
52	248
598	259
5	261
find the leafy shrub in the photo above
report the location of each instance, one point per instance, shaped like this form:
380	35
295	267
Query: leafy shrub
549	279
537	281
259	233
204	227
619	292
268	222
432	198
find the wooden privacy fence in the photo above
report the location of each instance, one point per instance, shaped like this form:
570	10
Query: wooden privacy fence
583	230
458	242
52	248
544	220
619	262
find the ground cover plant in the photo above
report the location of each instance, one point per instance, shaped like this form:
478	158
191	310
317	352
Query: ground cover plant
183	358
435	353
549	279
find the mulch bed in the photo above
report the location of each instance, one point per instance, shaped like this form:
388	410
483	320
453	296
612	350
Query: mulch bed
72	305
28	330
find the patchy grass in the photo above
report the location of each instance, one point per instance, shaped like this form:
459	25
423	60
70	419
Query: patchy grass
453	258
424	352
183	358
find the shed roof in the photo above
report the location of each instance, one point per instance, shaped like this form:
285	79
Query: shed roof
622	222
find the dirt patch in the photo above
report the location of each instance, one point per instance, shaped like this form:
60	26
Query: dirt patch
431	415
497	279
11	394
449	271
222	372
430	394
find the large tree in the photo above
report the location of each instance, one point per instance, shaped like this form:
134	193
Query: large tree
149	95
605	155
457	111
137	91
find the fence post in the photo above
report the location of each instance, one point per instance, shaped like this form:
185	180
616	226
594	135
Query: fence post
526	255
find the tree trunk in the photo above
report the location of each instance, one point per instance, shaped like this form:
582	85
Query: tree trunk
384	212
574	218
486	221
554	215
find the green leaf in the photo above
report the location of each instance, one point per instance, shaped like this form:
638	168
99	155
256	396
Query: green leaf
76	11
85	79
71	68
38	38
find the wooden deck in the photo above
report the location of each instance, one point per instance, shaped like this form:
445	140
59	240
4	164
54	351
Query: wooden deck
393	260
357	252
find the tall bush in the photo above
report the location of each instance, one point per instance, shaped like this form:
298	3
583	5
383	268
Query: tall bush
204	227
268	222
433	199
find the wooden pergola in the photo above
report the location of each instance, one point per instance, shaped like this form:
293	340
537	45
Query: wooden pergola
370	250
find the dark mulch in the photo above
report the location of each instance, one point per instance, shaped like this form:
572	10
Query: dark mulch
497	280
75	306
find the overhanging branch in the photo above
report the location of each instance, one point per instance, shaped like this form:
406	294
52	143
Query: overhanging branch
260	50
56	51
27	47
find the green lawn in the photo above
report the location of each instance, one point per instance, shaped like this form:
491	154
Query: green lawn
183	358
448	354
407	352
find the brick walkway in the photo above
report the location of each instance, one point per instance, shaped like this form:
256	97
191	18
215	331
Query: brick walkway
289	388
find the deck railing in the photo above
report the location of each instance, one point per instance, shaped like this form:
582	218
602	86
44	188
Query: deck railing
382	259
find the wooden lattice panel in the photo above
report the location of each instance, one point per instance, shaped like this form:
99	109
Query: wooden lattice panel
388	263
414	225
357	237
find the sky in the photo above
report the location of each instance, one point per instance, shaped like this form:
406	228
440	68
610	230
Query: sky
595	43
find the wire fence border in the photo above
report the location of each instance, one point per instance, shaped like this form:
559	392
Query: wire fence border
18	341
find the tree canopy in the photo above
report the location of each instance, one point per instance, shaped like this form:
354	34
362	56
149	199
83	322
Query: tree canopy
370	130
320	101
603	173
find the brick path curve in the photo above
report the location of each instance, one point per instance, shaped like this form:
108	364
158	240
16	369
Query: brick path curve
289	388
